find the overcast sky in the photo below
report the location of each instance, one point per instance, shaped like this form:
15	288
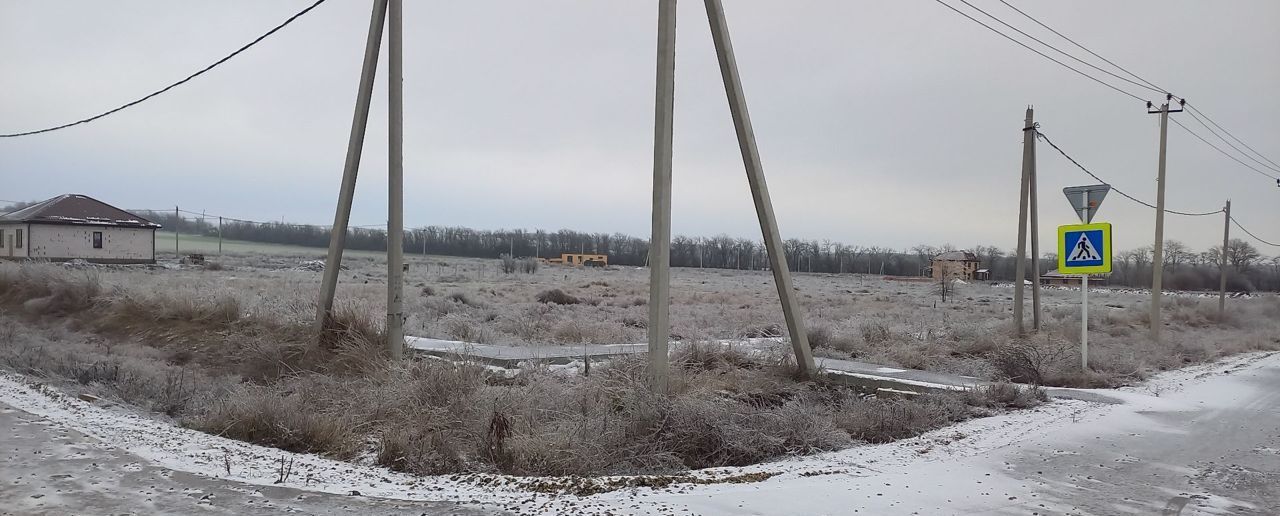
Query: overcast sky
885	123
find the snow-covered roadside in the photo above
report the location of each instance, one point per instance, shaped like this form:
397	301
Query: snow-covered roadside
953	467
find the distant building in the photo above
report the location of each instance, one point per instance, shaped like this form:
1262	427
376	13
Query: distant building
71	227
955	265
589	260
1054	277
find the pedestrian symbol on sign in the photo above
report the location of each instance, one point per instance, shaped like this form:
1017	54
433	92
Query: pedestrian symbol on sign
1084	251
1084	248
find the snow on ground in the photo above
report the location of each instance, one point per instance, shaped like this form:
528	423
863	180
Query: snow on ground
957	469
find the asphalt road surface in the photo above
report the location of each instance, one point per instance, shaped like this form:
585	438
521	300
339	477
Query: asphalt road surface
53	471
1220	458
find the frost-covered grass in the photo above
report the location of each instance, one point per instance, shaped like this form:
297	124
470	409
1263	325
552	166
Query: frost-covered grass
868	318
214	364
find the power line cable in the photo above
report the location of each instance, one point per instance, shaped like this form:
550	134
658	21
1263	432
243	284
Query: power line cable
1237	149
176	84
1082	47
1060	51
1113	188
1250	233
1042	54
1273	165
1224	153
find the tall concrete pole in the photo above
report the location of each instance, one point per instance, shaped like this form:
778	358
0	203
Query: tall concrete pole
177	224
1222	264
1032	199
355	145
1157	253
791	309
219	235
395	180
660	239
1020	267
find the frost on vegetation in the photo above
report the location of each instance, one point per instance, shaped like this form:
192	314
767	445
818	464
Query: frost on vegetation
234	353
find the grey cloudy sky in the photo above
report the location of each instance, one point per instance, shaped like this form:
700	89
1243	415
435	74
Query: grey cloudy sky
880	123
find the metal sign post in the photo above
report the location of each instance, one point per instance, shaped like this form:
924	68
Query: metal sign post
1085	248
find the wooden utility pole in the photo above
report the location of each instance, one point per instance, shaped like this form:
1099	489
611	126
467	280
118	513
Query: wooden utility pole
791	309
355	145
1020	266
1157	252
1222	263
395	181
219	235
660	239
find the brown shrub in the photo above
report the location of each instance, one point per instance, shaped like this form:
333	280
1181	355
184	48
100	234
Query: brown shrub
557	296
280	418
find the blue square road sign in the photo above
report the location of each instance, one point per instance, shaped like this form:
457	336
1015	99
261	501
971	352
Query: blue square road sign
1084	248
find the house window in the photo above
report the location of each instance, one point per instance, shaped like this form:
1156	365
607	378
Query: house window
1	239
97	240
17	240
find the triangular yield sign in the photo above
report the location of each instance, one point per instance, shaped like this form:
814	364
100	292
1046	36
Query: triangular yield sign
1083	251
1077	195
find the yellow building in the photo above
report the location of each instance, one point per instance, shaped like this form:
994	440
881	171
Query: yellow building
577	260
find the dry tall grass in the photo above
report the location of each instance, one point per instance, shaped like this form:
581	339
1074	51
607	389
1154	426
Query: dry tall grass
204	361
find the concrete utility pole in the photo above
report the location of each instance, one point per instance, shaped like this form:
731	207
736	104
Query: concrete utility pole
395	181
1032	198
355	145
1222	264
1157	253
177	223
1020	267
660	239
219	235
759	190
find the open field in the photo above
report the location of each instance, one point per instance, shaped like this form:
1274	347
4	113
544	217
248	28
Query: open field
228	348
894	322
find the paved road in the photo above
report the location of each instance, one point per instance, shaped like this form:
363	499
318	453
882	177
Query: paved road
1220	458
55	471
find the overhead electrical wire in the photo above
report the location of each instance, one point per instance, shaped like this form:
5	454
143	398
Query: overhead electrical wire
1233	137
174	85
1237	149
1251	233
1042	54
1192	109
1113	188
1060	51
1224	153
1082	47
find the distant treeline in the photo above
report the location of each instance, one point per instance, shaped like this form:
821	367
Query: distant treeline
1184	269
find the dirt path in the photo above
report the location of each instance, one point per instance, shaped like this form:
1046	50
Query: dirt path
49	469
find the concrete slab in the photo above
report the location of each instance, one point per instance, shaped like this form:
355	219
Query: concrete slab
862	375
512	356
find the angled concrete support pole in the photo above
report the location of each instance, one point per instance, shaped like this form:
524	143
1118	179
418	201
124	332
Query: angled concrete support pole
342	215
660	239
759	190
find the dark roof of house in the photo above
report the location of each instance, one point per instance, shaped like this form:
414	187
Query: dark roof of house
77	210
957	256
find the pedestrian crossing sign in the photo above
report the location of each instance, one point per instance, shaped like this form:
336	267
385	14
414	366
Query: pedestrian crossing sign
1084	248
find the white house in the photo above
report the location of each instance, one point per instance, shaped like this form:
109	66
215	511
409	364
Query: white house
71	226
